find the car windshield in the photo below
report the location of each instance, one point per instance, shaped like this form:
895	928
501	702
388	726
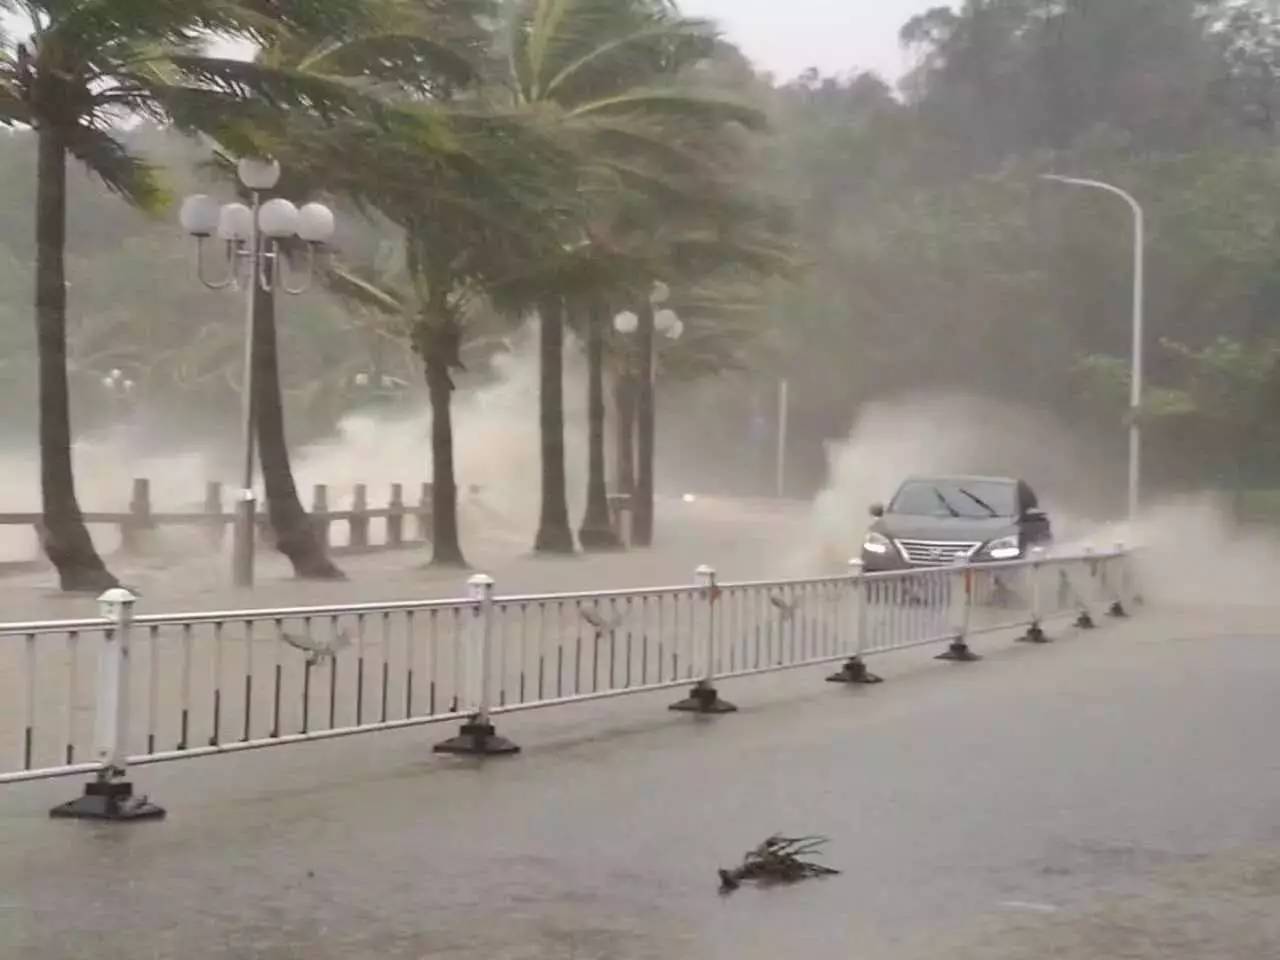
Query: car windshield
972	499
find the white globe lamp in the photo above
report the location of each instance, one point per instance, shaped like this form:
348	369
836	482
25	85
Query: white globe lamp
315	223
278	218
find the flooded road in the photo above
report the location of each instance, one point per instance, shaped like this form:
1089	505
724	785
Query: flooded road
1113	794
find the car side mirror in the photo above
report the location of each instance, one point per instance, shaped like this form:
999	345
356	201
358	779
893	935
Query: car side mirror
877	510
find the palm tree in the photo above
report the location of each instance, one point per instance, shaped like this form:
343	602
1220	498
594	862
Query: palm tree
597	531
409	50
475	208
606	73
83	68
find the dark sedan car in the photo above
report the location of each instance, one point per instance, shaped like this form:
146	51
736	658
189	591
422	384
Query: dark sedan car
942	521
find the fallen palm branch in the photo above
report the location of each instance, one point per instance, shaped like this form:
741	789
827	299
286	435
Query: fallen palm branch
778	860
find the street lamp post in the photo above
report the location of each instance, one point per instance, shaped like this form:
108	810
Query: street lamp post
666	322
1139	294
252	235
120	390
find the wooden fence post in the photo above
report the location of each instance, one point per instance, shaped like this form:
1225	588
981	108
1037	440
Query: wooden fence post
425	526
359	522
320	512
216	529
139	515
395	519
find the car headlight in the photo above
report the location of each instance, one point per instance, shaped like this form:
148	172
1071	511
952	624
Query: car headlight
1006	548
876	543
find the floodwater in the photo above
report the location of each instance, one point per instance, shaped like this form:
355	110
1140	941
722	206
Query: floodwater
1108	795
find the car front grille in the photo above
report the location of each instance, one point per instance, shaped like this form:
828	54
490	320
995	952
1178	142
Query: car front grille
936	553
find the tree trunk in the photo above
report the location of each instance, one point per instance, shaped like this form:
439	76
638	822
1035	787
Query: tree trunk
642	502
446	546
295	535
624	398
554	534
597	531
63	534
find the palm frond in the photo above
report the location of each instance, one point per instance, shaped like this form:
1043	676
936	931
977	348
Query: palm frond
649	45
676	103
80	28
349	284
409	61
13	105
123	173
277	87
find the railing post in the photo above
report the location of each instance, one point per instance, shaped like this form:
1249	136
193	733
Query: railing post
1117	592
959	650
217	530
359	522
1035	630
110	796
320	512
395	519
855	668
139	515
704	698
477	736
1085	620
425	525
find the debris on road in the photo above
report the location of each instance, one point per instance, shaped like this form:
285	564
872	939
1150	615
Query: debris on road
778	860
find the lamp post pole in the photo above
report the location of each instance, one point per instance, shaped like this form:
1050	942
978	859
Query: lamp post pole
1139	297
667	323
242	537
252	235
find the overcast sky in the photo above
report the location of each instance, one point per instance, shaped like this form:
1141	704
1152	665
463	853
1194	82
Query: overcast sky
836	36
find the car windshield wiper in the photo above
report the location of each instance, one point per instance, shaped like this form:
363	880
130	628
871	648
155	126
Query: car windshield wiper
980	502
942	499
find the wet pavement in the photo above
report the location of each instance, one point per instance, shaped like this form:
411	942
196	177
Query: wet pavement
1111	795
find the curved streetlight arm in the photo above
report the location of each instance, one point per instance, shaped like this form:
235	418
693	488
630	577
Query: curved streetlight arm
1097	185
1139	295
229	280
279	263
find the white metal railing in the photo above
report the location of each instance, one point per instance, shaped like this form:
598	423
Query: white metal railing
97	694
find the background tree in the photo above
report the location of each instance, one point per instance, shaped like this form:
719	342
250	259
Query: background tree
613	77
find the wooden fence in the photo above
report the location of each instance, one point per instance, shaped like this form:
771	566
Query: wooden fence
140	518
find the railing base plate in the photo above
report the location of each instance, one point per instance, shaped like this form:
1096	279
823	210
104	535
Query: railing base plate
108	800
1118	611
1085	621
959	652
703	698
854	671
1035	634
477	740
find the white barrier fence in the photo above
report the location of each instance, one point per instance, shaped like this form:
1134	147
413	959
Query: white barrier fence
97	695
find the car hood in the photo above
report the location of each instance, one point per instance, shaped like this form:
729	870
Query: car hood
968	529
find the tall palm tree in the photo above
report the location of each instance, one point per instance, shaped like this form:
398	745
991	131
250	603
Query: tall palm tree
82	69
409	50
474	209
607	74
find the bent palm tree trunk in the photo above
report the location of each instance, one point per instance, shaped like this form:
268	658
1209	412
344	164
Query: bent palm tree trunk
597	531
554	535
63	533
295	535
446	546
642	506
